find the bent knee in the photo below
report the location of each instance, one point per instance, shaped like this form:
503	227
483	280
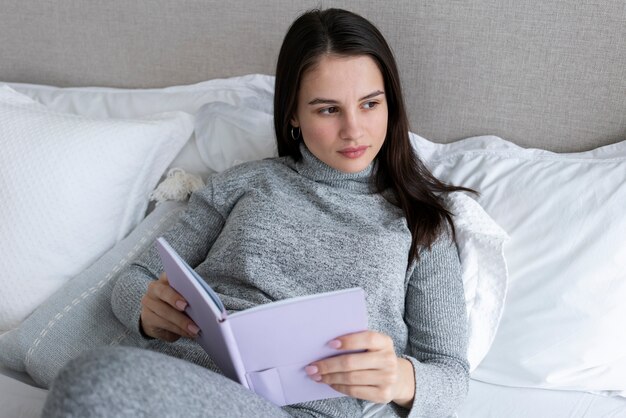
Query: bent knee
102	364
95	380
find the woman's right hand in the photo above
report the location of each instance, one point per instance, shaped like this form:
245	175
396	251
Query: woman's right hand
162	313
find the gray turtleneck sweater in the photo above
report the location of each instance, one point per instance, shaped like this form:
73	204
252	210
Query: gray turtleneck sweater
274	229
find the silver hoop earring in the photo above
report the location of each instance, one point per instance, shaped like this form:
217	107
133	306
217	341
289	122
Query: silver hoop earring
295	137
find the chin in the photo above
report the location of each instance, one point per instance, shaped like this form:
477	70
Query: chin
351	167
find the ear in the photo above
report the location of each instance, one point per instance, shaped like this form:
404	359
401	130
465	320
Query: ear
294	122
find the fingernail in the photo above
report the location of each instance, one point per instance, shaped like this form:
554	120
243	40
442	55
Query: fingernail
193	329
310	370
316	377
334	344
181	305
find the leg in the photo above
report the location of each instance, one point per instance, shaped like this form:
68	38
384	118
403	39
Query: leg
130	382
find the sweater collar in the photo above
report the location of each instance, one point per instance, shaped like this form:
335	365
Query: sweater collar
314	169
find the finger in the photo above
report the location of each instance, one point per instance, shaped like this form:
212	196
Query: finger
164	335
154	321
365	340
153	324
368	360
380	378
148	319
169	318
161	289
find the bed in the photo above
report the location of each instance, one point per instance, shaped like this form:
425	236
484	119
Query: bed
108	108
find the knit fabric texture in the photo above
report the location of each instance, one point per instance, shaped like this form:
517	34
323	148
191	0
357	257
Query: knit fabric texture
273	229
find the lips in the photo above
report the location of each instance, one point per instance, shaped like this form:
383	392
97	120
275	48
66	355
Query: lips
354	152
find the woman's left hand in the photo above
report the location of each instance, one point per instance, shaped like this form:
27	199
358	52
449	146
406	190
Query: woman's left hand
376	375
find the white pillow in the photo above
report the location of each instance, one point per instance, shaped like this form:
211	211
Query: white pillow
480	242
229	134
72	187
563	324
102	102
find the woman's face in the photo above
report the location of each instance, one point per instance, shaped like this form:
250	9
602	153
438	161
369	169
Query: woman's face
342	111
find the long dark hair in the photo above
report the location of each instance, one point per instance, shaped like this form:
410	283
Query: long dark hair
334	31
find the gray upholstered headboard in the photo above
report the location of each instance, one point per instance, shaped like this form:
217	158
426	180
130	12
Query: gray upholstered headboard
549	74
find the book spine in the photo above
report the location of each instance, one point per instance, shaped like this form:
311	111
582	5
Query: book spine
233	351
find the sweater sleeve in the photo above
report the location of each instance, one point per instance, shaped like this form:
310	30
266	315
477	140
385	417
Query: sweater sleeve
435	313
192	237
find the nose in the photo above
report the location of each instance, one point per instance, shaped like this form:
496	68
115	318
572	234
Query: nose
351	125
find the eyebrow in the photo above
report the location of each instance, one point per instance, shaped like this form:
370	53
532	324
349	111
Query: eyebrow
331	101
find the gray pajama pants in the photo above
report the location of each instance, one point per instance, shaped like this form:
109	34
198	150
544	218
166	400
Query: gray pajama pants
132	382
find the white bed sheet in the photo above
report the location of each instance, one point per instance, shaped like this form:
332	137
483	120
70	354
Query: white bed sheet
20	399
493	401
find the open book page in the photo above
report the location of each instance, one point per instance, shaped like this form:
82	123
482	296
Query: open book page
215	335
266	348
182	264
278	340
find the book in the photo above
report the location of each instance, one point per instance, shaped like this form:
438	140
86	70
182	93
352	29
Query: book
267	347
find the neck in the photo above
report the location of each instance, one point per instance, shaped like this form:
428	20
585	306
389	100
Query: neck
315	169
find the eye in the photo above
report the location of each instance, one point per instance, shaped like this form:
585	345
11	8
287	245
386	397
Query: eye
329	110
370	105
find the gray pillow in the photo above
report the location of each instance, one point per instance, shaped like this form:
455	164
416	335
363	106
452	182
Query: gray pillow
78	317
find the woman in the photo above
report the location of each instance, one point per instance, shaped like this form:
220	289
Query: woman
347	203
